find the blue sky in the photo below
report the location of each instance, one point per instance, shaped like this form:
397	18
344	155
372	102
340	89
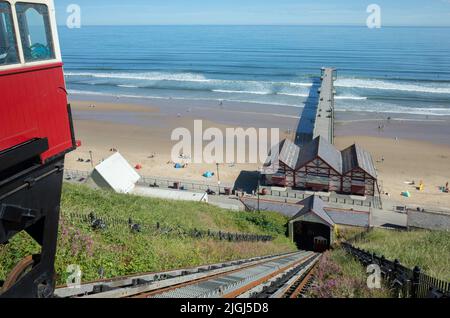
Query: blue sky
300	12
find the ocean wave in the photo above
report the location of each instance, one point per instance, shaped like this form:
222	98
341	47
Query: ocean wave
351	97
241	92
185	77
293	94
391	109
390	85
399	110
151	76
105	94
343	97
127	86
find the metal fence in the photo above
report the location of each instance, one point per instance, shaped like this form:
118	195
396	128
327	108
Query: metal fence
405	282
335	199
100	223
82	176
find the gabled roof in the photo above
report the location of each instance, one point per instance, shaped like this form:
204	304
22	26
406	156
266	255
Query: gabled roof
315	205
289	153
274	154
320	147
286	151
356	157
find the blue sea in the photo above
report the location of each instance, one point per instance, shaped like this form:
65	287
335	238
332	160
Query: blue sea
400	70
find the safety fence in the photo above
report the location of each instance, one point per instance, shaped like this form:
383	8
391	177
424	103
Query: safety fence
299	195
100	223
148	181
405	282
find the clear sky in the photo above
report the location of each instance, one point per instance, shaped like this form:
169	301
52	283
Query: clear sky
299	12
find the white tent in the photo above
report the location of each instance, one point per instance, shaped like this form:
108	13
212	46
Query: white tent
116	173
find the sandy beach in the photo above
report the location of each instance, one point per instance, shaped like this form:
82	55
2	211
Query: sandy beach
415	148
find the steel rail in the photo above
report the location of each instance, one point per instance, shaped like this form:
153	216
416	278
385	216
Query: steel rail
298	284
236	283
278	273
130	285
208	278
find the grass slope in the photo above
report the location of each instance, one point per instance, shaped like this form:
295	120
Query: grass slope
116	251
430	250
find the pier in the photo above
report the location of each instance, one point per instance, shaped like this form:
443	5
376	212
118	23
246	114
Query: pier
318	115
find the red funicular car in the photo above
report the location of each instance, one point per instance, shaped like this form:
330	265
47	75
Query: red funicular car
35	134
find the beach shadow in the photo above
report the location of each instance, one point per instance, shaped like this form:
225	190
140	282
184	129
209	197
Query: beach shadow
247	181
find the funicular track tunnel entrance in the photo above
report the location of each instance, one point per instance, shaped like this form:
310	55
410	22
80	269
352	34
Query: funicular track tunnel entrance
312	228
311	236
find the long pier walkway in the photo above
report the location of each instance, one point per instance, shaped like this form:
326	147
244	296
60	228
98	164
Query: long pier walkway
318	114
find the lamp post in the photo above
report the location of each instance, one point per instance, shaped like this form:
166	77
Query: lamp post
92	160
259	184
218	177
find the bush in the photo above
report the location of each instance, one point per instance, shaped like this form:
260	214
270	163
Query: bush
338	275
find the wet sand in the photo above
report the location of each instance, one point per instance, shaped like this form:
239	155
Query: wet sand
415	148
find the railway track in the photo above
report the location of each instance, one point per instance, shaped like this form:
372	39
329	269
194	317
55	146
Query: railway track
260	277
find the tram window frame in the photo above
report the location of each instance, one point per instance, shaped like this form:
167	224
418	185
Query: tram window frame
7	28
47	52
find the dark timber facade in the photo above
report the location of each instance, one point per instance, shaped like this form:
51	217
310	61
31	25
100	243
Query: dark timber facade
319	166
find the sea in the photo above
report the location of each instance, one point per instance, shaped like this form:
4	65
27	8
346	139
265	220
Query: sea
389	70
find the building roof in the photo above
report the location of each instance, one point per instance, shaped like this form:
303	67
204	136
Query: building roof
312	204
287	209
356	157
347	217
315	205
289	153
320	147
286	151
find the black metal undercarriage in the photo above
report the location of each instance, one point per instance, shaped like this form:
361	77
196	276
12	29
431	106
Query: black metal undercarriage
30	195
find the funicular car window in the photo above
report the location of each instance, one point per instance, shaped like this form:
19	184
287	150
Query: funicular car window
8	46
35	31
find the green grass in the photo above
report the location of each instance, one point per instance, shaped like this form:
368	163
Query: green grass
119	252
345	233
430	250
341	276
